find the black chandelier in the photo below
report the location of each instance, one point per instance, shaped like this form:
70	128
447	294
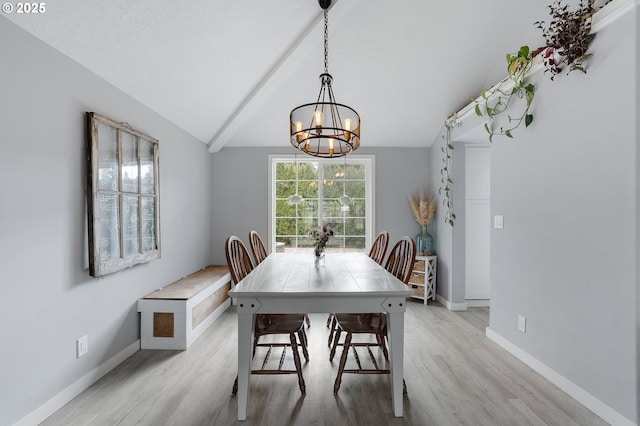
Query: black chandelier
325	128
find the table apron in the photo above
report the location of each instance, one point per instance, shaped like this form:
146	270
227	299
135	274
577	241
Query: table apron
320	304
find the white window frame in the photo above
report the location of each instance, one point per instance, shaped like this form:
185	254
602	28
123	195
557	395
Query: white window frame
368	161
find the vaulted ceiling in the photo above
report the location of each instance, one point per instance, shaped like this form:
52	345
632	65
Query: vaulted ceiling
229	72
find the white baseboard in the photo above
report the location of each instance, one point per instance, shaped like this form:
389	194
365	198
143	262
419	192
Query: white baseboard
54	404
451	306
478	303
607	413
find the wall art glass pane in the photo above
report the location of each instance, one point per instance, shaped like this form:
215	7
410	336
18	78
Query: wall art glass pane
148	223
130	228
109	226
129	163
147	173
107	157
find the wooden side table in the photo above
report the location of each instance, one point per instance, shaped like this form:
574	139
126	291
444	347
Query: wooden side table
423	278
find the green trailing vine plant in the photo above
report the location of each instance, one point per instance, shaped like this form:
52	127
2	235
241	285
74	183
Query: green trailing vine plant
567	40
497	100
446	183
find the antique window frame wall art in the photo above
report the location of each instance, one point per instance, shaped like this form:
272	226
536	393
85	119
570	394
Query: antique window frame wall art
123	196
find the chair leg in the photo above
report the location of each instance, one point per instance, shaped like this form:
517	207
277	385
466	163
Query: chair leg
234	391
304	336
383	346
334	326
343	362
303	343
296	360
336	339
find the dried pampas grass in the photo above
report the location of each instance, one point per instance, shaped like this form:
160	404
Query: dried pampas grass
423	209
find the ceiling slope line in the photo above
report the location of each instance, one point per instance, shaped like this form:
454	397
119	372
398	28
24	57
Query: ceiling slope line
220	138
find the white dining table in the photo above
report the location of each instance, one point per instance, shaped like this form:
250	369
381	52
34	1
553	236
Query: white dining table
348	283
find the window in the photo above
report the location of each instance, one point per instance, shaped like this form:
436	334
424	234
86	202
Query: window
321	183
123	198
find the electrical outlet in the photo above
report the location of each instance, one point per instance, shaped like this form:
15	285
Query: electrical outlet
498	222
522	323
82	346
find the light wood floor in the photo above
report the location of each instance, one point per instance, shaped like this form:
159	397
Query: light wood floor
454	376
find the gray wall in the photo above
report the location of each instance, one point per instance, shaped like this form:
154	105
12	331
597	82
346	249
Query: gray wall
47	298
567	257
241	191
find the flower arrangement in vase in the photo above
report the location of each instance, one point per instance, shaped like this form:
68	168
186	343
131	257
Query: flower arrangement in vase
321	236
423	210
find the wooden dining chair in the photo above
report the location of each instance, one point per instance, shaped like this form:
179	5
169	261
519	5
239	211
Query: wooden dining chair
257	247
379	247
240	265
260	253
376	252
399	263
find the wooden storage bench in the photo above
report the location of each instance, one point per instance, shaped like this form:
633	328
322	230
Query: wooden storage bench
174	316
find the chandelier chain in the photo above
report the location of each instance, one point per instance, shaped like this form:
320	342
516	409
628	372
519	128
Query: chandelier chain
326	42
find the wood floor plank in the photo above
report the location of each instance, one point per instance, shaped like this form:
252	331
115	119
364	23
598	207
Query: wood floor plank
454	376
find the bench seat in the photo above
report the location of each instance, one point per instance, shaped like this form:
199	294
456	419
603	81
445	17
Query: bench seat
173	317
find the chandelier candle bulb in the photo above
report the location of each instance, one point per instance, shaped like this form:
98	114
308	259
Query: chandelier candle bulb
299	130
318	119
330	146
347	128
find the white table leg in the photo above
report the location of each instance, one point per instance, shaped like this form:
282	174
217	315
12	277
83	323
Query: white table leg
395	334
245	332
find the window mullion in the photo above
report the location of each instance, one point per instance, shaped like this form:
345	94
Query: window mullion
137	141
120	196
320	193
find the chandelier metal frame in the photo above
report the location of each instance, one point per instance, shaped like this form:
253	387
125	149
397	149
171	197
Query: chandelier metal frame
325	128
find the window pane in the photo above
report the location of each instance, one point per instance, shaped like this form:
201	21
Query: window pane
129	163
307	224
148	224
308	171
308	208
356	243
356	208
335	223
331	208
107	158
308	189
332	188
356	188
109	226
355	226
146	163
130	227
286	227
355	171
285	208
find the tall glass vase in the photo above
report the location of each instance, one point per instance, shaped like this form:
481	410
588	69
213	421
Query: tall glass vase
318	257
425	244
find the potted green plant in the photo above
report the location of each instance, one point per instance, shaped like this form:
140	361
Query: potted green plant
568	36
